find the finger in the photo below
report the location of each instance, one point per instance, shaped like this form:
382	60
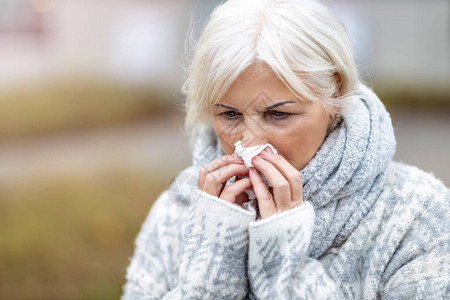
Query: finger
236	178
292	175
281	187
266	203
230	192
215	181
215	165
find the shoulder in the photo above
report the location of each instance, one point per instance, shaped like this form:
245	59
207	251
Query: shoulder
412	185
159	241
170	210
177	199
415	217
413	205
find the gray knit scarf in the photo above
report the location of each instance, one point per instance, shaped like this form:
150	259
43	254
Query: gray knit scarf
346	175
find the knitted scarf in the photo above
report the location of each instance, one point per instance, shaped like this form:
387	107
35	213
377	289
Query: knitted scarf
345	176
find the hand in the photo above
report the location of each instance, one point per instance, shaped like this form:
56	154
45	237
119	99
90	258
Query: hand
213	177
286	190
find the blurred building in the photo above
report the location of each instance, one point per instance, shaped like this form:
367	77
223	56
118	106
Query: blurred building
139	42
398	42
143	42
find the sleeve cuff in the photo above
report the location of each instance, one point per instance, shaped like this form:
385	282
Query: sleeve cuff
299	219
220	209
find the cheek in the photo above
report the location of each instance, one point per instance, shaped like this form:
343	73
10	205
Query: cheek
298	143
226	134
289	142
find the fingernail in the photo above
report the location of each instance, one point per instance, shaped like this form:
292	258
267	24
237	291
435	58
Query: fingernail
266	152
257	158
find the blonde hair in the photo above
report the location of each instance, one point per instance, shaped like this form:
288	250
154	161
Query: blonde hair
302	41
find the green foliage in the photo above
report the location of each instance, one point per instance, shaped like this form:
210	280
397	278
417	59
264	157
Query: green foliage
72	104
413	95
70	237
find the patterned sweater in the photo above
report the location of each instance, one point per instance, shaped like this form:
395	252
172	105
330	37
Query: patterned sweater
369	228
202	247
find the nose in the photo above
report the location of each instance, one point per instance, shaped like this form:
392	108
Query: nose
253	133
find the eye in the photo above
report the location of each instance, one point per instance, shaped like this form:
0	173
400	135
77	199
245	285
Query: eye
231	114
276	114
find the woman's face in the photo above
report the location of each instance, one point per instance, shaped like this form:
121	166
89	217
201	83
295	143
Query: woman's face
258	108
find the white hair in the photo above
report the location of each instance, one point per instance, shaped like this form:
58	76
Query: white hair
302	41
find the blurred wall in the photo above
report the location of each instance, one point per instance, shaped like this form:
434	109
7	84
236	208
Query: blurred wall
396	42
399	42
138	42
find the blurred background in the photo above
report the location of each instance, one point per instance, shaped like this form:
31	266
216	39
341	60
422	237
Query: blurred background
91	125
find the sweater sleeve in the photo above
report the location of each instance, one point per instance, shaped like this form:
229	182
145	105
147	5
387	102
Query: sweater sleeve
278	265
420	265
212	260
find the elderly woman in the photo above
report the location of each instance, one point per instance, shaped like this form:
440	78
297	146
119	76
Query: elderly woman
316	208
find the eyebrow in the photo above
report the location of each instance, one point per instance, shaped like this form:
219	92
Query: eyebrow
226	106
279	104
267	108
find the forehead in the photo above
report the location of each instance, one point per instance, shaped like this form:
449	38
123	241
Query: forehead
257	85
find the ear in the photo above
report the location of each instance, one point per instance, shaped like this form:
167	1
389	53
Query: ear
338	82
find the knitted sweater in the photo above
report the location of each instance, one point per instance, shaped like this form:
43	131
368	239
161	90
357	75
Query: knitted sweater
369	228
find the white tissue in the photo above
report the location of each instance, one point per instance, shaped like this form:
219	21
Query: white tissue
247	153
